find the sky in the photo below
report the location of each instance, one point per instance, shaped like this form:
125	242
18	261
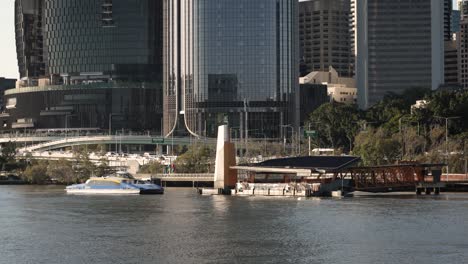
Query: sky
8	67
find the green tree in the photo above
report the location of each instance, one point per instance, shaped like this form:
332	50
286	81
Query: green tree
83	167
102	168
61	171
154	167
377	147
198	159
337	124
8	155
451	104
36	172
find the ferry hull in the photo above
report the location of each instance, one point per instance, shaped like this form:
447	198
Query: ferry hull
97	191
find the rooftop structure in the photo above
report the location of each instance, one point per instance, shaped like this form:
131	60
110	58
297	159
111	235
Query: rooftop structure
339	89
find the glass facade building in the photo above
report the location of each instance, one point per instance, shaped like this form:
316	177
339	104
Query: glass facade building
115	39
29	39
230	60
94	62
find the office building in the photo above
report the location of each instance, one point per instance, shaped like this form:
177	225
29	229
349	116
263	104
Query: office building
230	61
87	64
312	96
455	21
29	40
400	45
325	36
4	85
448	8
339	89
463	46
451	62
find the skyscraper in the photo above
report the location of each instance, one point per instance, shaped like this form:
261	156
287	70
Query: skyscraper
230	60
400	45
448	7
325	36
463	45
87	64
29	39
455	21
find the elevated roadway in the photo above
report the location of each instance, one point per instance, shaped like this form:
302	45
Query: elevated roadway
58	143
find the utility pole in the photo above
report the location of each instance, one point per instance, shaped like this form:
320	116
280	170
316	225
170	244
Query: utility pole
310	142
292	137
446	139
246	128
299	140
466	161
401	139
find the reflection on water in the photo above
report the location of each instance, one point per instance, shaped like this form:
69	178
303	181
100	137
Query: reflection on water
44	225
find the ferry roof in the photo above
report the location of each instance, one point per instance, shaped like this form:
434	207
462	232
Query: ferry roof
301	165
313	162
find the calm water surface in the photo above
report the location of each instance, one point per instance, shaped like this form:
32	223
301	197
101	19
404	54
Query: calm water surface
44	225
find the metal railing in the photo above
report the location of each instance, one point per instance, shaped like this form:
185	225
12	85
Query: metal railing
184	175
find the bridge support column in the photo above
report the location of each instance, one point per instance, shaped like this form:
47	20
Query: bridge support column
225	177
169	150
160	149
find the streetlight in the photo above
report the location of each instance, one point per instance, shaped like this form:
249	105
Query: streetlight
284	137
246	120
446	137
236	135
310	141
403	142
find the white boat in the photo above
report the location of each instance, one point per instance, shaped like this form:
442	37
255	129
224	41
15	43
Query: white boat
119	183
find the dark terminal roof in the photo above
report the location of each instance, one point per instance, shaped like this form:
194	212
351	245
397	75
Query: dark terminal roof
327	163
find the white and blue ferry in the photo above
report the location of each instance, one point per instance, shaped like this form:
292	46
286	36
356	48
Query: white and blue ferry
118	183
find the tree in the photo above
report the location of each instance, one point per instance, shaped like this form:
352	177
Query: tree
36	173
154	167
336	124
198	159
84	168
8	154
414	144
377	147
61	171
451	104
102	169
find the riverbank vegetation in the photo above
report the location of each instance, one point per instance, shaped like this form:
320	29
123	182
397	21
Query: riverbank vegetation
197	158
388	132
64	171
393	130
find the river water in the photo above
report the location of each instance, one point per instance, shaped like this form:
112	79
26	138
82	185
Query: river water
44	225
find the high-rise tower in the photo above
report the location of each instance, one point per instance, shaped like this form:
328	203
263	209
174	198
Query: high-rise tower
325	36
463	45
29	39
87	64
400	45
230	60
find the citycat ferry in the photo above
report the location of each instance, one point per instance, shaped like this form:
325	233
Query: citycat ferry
118	183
